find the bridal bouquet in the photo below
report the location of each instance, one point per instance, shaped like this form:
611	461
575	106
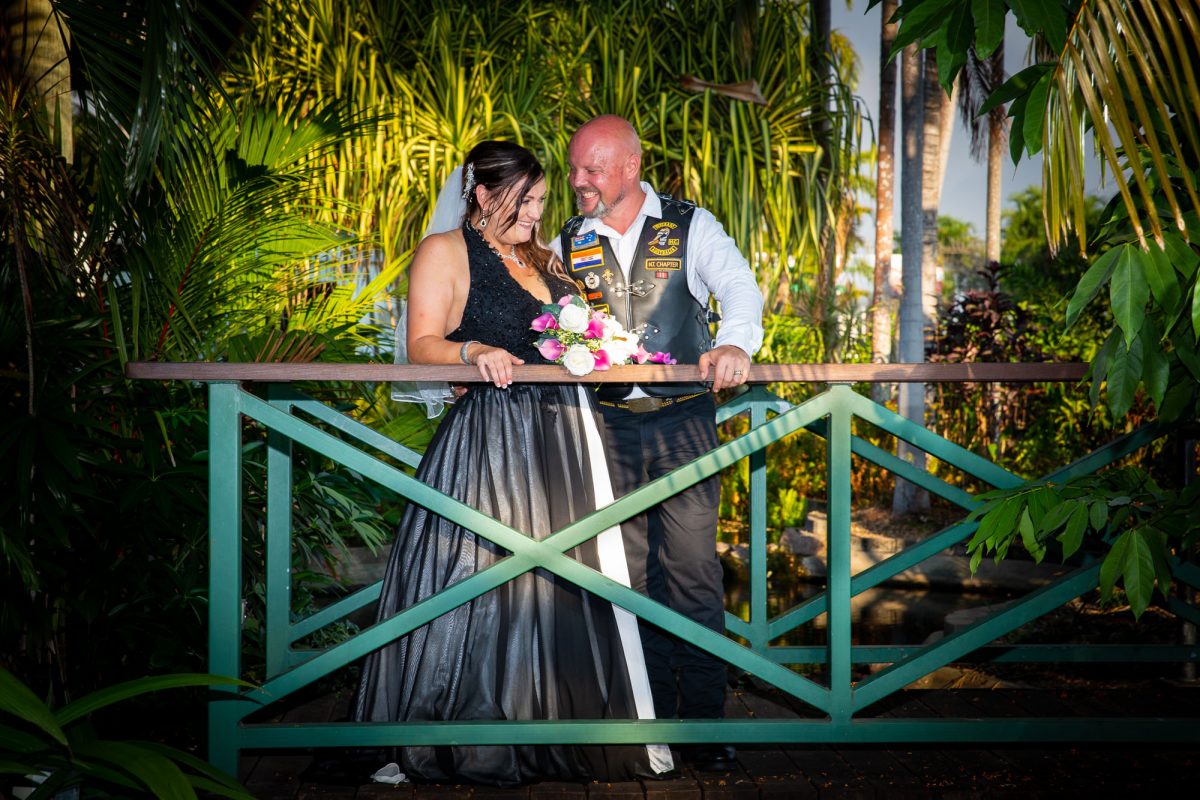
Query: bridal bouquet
583	339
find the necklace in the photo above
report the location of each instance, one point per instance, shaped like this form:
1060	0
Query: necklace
513	257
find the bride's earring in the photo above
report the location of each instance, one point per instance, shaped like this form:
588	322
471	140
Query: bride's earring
483	218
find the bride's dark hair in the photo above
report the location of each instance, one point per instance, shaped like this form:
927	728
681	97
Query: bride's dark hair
502	167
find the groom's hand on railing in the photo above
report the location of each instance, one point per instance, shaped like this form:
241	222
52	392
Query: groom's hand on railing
729	365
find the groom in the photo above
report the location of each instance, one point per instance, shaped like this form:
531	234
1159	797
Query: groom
652	260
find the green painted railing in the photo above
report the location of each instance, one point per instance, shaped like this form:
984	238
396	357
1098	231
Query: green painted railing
840	702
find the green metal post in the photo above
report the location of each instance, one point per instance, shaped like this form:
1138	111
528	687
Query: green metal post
279	538
838	549
759	620
225	567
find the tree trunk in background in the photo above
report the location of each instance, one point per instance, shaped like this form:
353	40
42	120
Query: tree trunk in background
822	65
935	146
38	51
907	496
997	136
882	299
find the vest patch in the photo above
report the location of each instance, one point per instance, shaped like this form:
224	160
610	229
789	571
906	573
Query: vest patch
586	259
584	239
664	243
659	264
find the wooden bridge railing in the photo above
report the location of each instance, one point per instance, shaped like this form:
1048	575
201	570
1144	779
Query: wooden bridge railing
829	414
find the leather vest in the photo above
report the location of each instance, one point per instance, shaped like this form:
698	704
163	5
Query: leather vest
656	295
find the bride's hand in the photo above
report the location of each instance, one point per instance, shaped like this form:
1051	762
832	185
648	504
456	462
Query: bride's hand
494	364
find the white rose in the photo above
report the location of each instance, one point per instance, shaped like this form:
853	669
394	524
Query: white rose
578	359
574	318
622	348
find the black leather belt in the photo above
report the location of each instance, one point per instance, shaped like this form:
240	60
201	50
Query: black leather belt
642	405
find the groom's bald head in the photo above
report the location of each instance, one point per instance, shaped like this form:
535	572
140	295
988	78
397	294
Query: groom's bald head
611	130
605	167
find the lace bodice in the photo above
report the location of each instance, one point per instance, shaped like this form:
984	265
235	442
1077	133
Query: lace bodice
498	309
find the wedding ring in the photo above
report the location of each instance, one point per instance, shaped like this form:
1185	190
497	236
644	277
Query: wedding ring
737	372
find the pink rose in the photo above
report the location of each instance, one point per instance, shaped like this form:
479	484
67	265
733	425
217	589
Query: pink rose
543	322
565	300
551	349
595	329
602	360
640	356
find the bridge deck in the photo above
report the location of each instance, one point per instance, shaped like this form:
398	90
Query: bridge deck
869	771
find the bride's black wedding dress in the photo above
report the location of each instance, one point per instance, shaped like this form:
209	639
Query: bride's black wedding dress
536	647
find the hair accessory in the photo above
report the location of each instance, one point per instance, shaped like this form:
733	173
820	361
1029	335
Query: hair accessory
468	182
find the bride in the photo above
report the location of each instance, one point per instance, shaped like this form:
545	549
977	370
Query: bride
529	455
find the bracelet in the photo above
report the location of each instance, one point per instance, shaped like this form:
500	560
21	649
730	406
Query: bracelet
462	352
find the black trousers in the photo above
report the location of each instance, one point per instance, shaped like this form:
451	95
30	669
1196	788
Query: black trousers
672	548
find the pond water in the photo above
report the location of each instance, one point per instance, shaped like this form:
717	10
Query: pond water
882	615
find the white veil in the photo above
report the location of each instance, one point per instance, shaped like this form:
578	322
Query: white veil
447	215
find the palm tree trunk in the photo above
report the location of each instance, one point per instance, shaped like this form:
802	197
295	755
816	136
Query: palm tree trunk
995	163
937	125
38	50
822	62
912	323
882	301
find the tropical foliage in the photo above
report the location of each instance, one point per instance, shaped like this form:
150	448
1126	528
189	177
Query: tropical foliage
728	107
182	230
55	750
1119	72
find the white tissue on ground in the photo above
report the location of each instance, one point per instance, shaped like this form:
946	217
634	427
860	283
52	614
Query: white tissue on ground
390	773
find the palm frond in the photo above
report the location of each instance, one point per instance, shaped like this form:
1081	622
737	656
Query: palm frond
1110	82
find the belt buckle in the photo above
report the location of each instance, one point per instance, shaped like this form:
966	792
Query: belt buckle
641	405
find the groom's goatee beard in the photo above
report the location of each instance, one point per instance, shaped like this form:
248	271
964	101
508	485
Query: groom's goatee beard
601	210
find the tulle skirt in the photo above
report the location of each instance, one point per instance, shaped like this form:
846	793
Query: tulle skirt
536	647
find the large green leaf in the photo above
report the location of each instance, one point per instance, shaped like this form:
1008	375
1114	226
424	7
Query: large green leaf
923	21
1091	282
959	33
1035	114
1042	16
1181	255
18	700
122	691
1160	551
1164	283
989	25
15	740
1156	366
1016	134
1139	571
154	771
1129	293
1029	536
1056	517
1018	85
1124	373
215	780
1179	399
1113	565
1196	309
1072	535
